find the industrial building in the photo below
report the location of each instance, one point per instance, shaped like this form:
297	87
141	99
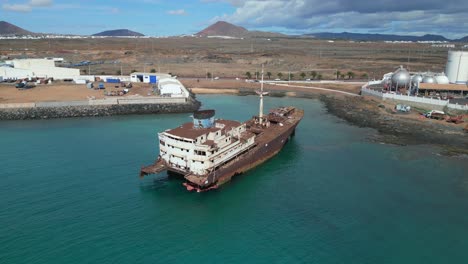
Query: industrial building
145	77
457	67
42	68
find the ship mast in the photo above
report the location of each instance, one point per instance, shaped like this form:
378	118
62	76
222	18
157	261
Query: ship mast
260	114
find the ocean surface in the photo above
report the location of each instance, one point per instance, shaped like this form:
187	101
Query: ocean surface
70	193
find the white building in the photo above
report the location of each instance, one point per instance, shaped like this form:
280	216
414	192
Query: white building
15	73
39	68
146	77
172	87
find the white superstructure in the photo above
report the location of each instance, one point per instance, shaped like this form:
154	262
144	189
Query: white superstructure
457	67
200	147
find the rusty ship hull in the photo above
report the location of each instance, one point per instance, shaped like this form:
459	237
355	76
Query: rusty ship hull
268	142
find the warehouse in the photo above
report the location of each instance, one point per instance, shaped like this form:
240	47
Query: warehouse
45	68
10	73
145	77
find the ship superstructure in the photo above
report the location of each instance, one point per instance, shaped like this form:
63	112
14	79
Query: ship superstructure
208	152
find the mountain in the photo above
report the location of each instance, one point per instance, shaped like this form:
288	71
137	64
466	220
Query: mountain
222	28
465	39
10	29
375	37
119	33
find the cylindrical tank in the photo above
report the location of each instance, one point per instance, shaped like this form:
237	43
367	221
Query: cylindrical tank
428	79
203	119
457	67
401	78
441	79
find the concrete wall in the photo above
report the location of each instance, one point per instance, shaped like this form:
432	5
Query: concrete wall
99	107
421	102
32	111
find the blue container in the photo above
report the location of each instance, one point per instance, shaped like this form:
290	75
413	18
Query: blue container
111	80
153	79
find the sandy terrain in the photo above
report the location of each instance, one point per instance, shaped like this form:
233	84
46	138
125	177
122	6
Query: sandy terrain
62	92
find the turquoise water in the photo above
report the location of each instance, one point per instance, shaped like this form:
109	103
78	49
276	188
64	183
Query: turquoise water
70	193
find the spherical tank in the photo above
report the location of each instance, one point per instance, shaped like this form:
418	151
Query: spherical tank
417	79
428	79
441	79
401	78
457	67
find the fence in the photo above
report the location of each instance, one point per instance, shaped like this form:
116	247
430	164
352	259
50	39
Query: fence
439	103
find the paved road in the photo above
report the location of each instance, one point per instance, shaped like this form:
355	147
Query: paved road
317	88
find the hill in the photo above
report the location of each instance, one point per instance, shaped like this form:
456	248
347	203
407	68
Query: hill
10	29
222	28
465	39
119	33
375	37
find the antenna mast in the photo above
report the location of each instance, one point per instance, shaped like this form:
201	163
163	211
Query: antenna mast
260	114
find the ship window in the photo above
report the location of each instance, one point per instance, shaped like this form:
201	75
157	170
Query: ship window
202	162
162	142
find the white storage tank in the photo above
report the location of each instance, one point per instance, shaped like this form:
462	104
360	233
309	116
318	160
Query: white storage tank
457	67
440	78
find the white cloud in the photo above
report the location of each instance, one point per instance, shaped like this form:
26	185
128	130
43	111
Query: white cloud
17	8
27	7
384	16
179	12
40	3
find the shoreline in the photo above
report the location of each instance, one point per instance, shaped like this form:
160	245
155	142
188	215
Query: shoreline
361	111
395	129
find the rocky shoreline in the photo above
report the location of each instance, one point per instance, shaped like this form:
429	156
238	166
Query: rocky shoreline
96	110
394	129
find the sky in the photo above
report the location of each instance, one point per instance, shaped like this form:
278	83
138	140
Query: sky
168	18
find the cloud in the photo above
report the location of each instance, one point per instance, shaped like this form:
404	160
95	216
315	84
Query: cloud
178	12
17	8
386	16
27	7
40	3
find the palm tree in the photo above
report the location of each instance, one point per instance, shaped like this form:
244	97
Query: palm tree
257	74
291	76
365	76
342	75
350	75
319	76
248	75
208	75
313	74
338	74
280	75
153	70
303	75
269	75
118	72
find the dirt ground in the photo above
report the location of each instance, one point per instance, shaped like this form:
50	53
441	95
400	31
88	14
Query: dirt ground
197	57
63	92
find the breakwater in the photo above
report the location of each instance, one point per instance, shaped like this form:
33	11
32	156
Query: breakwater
100	107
